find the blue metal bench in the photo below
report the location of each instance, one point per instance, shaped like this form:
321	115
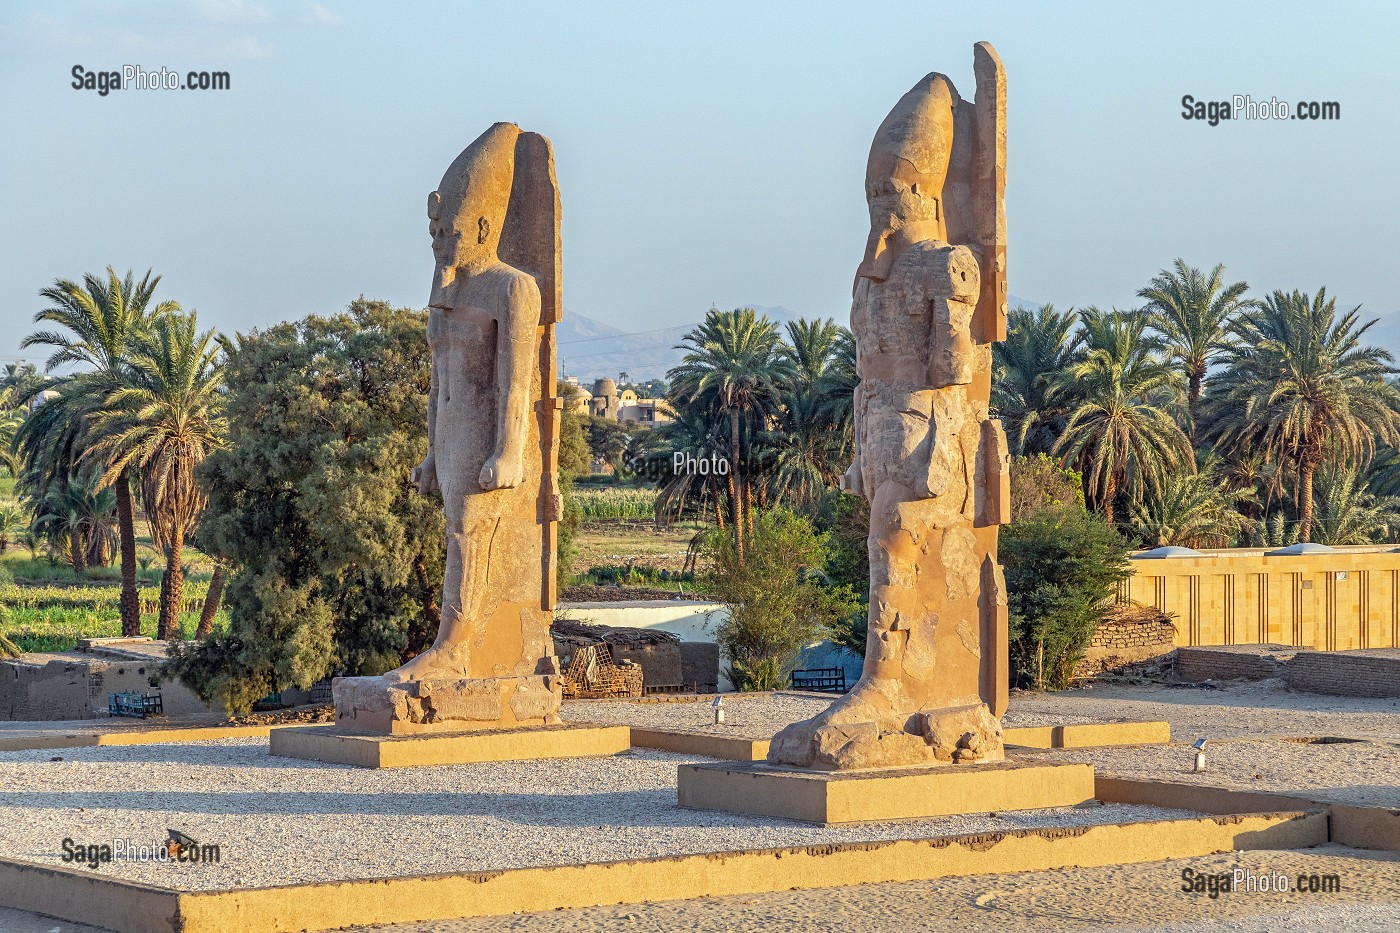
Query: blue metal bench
135	705
820	679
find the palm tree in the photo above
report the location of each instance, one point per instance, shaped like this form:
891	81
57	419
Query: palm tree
1300	387
1029	390
100	322
10	422
77	517
836	388
802	454
1120	437
11	520
1193	510
693	432
164	420
1194	313
810	348
19	383
1349	513
733	369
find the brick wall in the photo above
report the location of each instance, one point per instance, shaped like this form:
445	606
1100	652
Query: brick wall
1197	664
1130	640
1351	673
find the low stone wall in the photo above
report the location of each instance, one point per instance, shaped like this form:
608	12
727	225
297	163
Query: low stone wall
1373	673
1130	640
1364	673
1242	662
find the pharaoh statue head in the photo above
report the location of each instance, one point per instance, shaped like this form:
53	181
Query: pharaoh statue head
467	211
905	175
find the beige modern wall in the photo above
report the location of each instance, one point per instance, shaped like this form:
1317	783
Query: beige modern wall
1349	598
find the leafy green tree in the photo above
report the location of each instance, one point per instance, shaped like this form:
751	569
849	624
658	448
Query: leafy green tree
1030	389
573	461
98	325
1039	483
1195	314
1062	567
1193	510
1121	437
163	421
335	559
778	599
733	370
607	440
1301	387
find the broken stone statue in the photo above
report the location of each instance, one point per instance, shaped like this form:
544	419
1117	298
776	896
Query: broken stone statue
930	300
492	451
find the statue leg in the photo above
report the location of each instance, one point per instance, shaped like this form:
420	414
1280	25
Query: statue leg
887	719
471	531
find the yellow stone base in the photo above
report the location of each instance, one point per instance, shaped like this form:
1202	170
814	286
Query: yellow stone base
830	797
325	743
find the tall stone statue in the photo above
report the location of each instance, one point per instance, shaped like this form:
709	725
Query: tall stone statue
492	450
930	299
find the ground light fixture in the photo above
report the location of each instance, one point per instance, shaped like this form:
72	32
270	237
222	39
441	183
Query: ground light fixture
1200	747
718	706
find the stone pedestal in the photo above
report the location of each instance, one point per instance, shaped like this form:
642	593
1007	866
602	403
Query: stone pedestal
831	797
565	740
376	706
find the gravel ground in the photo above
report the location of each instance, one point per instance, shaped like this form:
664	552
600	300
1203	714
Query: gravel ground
1365	774
1266	708
752	716
1263	708
1145	898
400	822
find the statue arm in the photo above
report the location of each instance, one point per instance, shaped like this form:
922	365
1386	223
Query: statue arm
516	359
851	481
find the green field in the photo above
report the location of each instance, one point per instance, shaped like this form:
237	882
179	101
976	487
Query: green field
47	607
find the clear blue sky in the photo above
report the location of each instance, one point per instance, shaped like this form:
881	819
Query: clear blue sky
707	152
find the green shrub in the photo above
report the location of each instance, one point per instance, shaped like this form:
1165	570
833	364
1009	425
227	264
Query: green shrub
1062	567
779	599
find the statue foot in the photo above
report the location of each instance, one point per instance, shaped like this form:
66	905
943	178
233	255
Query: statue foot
876	726
445	661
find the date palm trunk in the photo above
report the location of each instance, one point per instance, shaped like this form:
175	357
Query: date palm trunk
1305	493
130	602
736	485
76	549
211	603
172	587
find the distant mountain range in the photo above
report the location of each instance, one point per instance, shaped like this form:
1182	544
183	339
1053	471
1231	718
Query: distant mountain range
590	349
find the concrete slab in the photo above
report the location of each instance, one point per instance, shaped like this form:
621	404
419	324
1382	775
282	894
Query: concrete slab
1089	735
568	740
85	896
895	794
